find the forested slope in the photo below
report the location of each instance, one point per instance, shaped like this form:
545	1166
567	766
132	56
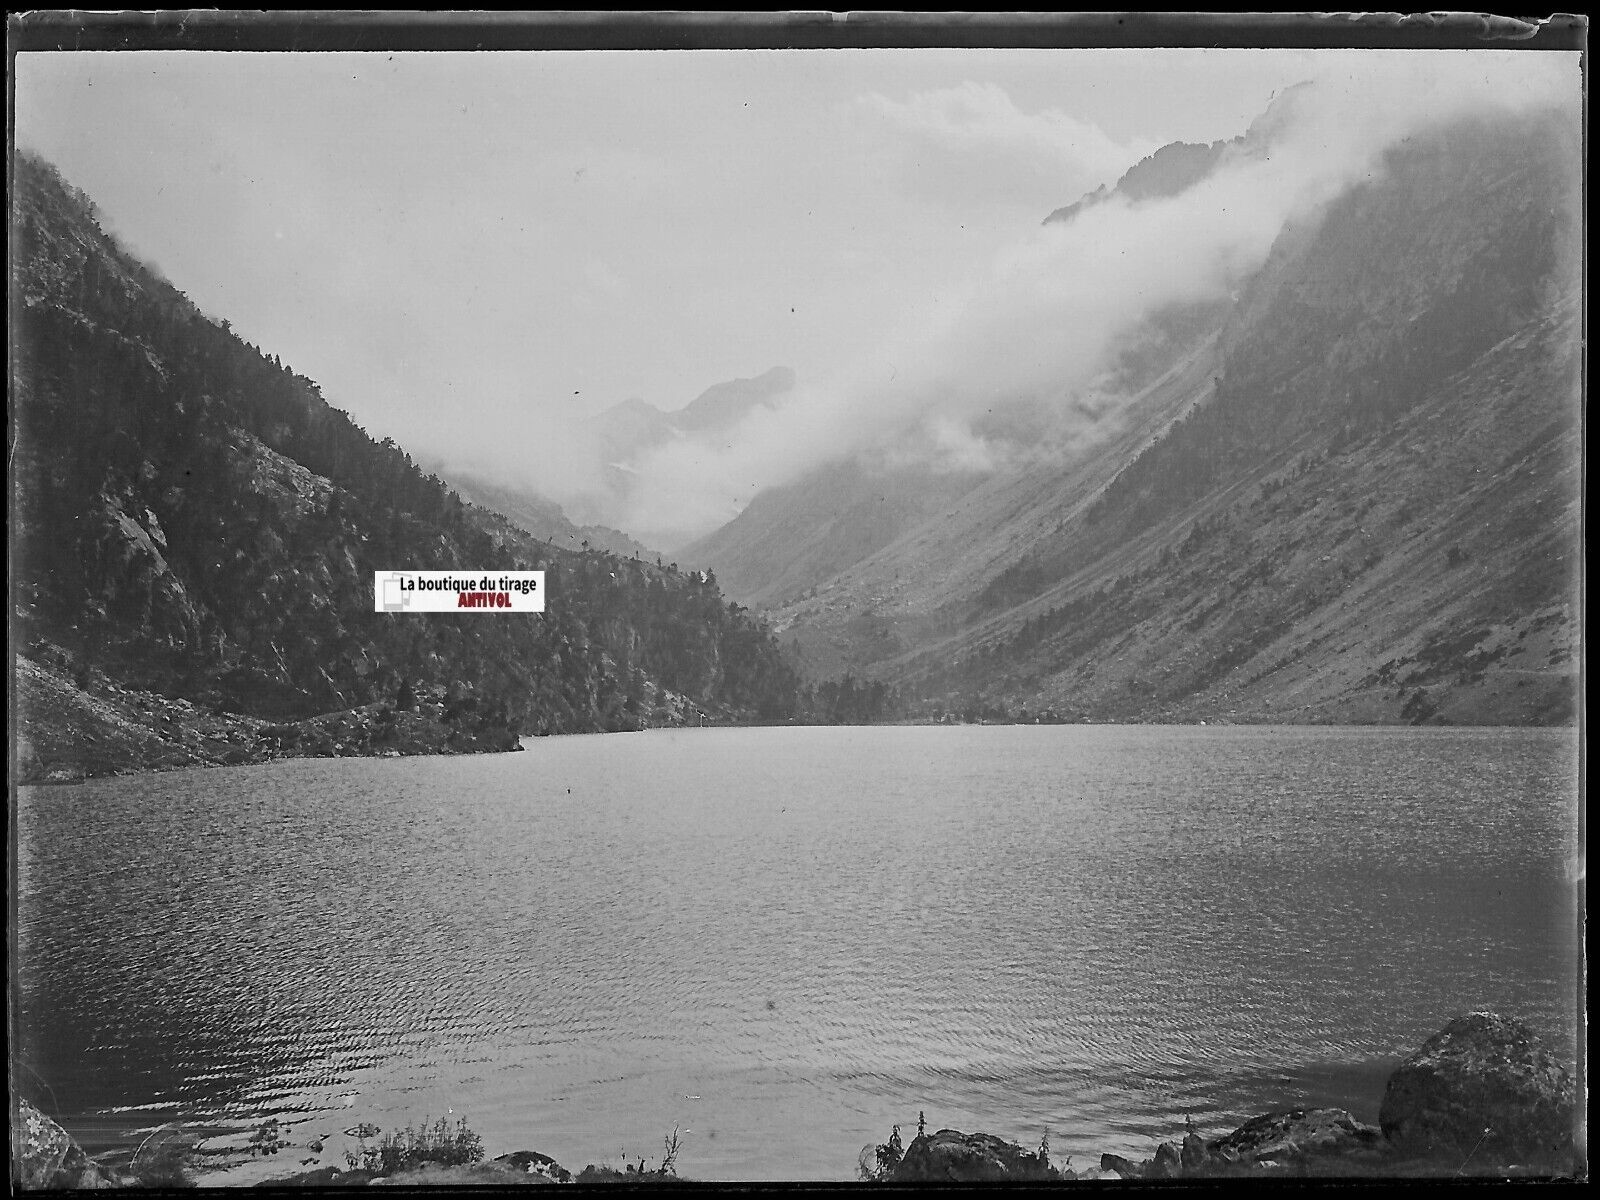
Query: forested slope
192	516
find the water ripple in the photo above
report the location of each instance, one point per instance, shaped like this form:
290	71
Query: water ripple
789	940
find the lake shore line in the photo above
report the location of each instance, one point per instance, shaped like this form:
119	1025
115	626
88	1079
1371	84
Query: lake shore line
1480	1098
67	733
71	730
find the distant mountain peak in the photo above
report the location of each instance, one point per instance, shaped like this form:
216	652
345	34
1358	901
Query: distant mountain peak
724	404
1279	110
628	432
720	404
1178	166
1173	169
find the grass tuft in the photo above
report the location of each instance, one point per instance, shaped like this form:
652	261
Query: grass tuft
407	1149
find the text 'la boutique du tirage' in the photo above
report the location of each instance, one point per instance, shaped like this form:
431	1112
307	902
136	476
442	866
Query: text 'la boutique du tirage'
457	591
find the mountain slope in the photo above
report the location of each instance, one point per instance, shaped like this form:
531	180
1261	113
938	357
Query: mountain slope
788	538
1361	487
723	405
193	517
542	517
1425	570
795	538
917	587
1170	170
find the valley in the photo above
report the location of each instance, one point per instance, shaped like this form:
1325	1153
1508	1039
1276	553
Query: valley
1352	495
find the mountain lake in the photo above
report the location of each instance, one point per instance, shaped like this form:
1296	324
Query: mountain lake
782	942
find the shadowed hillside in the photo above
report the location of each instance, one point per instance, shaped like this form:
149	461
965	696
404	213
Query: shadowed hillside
1355	499
193	517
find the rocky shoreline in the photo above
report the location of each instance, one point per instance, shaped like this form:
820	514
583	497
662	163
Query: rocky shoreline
1482	1098
69	729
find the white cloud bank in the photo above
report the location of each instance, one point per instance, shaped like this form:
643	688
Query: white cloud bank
971	145
1042	323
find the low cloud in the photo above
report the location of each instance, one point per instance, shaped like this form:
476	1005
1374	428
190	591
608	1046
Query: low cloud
1027	345
971	144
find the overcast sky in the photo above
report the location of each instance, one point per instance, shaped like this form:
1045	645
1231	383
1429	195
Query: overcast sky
522	239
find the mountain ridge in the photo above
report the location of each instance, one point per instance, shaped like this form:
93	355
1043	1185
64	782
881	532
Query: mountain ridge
1452	266
194	520
1174	168
541	516
634	425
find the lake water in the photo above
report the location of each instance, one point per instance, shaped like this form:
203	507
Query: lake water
782	942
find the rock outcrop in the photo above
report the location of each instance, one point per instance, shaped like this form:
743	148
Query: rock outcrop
1296	1136
1480	1097
952	1156
45	1156
534	1163
470	1175
1483	1089
70	730
520	1168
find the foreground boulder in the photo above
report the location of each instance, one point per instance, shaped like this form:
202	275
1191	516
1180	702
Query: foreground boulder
1114	1165
1167	1164
951	1155
1306	1140
534	1163
464	1175
1301	1142
46	1156
1481	1096
519	1169
1484	1090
